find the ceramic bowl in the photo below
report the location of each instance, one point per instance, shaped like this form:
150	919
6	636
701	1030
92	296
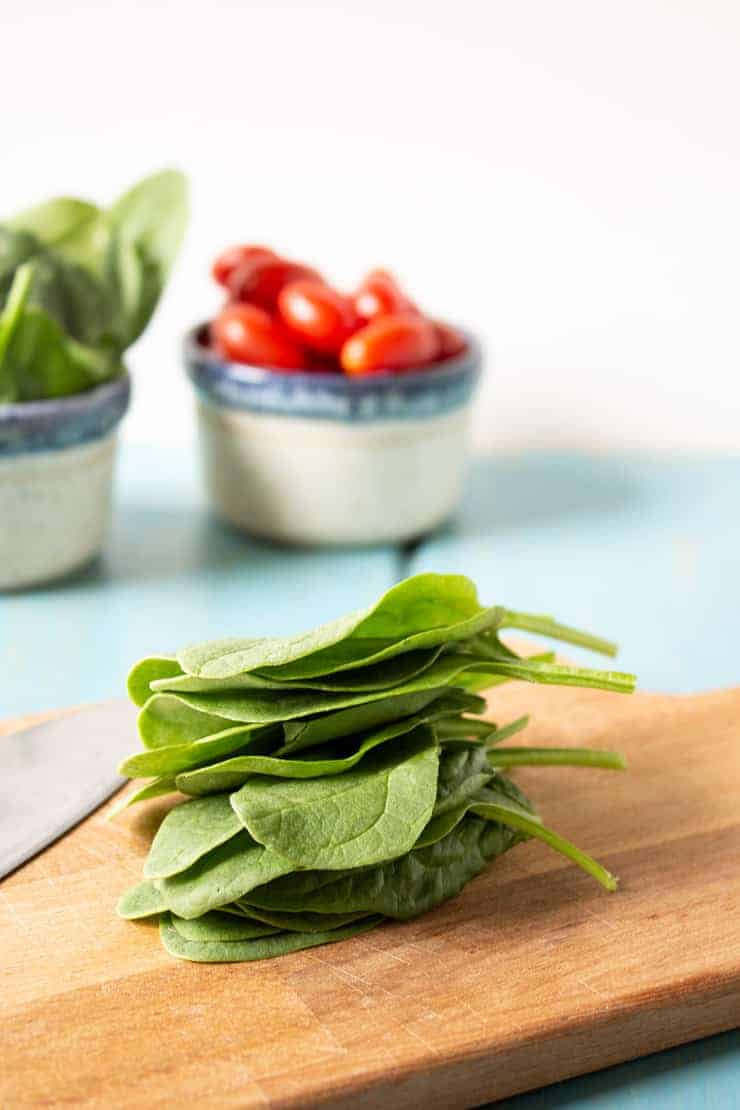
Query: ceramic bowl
56	473
322	458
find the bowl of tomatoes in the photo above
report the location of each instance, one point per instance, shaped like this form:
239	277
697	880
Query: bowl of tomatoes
328	417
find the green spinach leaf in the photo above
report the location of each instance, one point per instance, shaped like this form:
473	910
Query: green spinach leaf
402	888
142	900
223	875
431	606
97	277
215	926
329	759
263	949
188	832
300	735
158	787
372	813
462	772
174	758
73	227
145	672
146	227
305	922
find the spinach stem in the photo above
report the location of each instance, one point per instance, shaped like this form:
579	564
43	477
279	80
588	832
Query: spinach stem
558	674
506	731
546	626
515	819
15	303
465	728
557	757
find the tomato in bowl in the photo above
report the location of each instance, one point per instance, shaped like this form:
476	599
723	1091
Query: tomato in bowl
324	418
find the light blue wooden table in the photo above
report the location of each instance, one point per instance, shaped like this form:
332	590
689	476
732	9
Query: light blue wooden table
645	551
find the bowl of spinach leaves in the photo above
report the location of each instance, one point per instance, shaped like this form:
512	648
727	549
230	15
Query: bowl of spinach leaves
78	286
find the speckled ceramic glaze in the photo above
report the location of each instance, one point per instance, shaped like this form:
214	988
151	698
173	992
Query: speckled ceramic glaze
321	458
56	470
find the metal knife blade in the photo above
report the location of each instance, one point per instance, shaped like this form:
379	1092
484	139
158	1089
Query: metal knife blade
54	774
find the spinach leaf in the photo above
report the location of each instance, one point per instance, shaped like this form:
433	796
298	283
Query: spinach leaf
372	813
461	773
263	949
448	818
215	926
452	670
188	832
146	227
300	735
268	706
431	606
17	248
73	227
142	900
166	721
420	612
174	758
37	359
380	676
326	760
74	298
145	672
222	876
97	276
305	922
402	888
156	788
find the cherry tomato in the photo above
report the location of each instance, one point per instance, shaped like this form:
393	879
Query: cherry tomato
318	315
246	333
451	342
379	294
233	257
259	280
398	341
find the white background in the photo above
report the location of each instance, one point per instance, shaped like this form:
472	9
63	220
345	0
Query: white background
562	176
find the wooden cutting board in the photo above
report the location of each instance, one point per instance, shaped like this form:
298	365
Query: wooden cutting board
531	975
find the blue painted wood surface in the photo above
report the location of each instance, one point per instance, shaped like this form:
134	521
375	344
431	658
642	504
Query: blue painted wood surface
643	550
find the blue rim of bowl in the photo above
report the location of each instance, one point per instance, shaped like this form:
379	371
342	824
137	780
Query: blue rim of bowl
321	395
60	422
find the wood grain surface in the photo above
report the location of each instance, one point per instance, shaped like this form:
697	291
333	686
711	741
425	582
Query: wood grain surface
531	975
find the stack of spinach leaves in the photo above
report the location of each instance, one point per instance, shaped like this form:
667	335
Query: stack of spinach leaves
78	284
340	777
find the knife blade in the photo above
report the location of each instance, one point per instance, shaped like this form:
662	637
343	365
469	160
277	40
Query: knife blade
54	774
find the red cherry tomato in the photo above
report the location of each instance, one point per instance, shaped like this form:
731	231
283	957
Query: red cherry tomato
246	333
398	341
451	342
259	280
318	315
233	257
379	294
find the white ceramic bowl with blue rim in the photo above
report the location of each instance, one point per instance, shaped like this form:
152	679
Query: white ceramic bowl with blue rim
56	475
323	458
